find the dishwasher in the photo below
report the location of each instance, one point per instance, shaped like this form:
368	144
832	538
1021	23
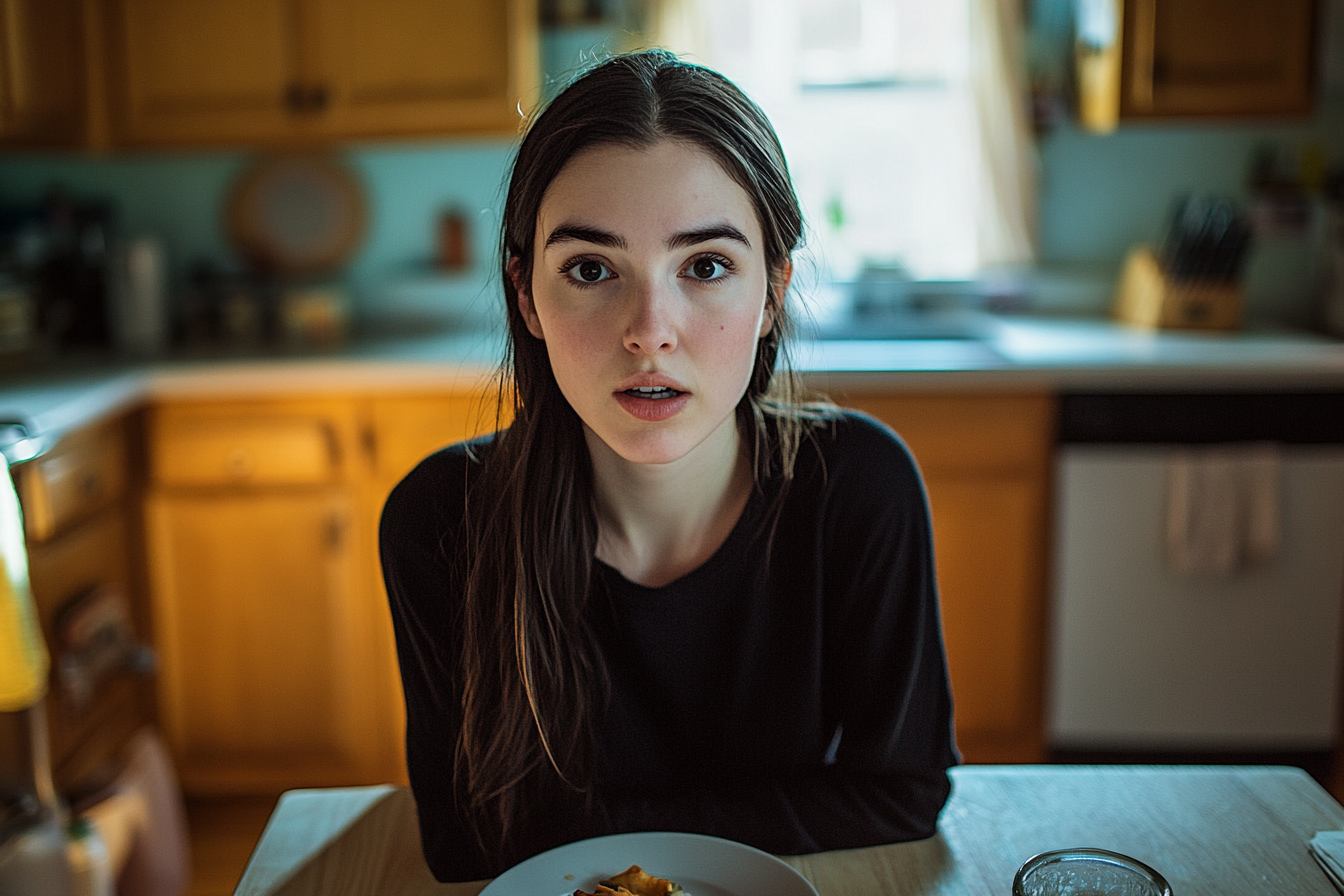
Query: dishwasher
1147	657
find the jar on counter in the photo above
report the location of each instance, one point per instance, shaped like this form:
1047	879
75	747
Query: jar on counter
17	316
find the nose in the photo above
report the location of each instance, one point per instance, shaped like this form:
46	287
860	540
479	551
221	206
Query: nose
651	327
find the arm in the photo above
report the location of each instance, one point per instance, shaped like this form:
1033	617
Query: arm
420	588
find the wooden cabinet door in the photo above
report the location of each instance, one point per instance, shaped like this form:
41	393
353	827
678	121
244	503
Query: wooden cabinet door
400	431
42	72
265	643
406	428
1219	58
209	71
985	461
427	66
278	72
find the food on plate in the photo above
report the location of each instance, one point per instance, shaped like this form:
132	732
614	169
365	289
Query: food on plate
634	881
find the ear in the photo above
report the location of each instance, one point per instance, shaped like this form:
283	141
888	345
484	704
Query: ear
774	302
524	290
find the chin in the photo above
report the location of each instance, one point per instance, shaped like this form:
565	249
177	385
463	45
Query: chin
663	445
657	450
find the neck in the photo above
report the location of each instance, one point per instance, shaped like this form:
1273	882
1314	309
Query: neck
657	522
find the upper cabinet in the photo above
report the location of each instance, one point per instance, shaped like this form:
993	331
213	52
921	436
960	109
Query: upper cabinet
42	72
189	71
298	71
1217	58
1195	59
264	72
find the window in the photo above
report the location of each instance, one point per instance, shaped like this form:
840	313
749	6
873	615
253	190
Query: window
881	108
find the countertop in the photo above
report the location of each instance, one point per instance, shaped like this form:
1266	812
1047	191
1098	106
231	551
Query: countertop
1013	352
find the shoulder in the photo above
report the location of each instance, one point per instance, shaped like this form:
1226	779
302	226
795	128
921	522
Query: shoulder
434	493
862	450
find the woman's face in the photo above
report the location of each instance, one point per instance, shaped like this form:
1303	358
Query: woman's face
649	287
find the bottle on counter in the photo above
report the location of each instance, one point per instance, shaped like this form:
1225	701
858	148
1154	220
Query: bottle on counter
140	302
90	863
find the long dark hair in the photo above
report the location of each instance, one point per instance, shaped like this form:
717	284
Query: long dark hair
532	682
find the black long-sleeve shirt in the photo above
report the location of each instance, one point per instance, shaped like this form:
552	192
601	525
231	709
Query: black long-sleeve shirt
795	699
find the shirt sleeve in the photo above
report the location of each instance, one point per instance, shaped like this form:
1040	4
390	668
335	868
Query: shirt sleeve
416	532
887	669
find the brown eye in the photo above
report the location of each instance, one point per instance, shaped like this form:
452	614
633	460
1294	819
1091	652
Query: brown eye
707	268
589	271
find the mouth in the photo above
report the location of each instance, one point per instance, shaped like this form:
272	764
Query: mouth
653	402
653	393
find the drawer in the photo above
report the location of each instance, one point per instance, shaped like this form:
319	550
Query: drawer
251	451
968	432
84	472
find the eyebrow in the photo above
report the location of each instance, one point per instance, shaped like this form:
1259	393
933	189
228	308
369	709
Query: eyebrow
580	233
707	234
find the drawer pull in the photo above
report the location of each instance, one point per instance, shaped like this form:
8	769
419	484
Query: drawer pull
91	485
241	465
334	535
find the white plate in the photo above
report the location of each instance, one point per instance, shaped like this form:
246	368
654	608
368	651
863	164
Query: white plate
704	866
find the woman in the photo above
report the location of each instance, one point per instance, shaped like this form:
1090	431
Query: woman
666	597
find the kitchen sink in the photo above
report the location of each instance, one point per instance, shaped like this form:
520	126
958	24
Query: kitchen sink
906	323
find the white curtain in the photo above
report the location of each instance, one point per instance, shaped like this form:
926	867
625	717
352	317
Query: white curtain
1007	231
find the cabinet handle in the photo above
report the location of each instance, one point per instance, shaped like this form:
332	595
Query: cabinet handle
240	464
335	532
1145	53
317	98
306	100
295	97
91	486
368	438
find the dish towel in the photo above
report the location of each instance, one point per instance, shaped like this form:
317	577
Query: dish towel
1222	508
1327	847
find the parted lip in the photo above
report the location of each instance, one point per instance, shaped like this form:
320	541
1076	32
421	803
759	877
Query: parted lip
648	380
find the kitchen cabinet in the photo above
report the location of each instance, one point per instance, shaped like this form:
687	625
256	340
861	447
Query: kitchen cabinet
278	658
1216	58
42	72
79	501
400	430
281	72
985	458
254	545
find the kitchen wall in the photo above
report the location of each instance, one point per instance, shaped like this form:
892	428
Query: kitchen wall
1099	194
181	198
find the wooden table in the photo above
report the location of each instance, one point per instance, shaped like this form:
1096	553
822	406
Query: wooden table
1220	831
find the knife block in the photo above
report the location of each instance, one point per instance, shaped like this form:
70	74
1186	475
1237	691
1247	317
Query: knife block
1146	297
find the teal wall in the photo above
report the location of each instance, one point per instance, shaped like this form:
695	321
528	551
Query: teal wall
181	197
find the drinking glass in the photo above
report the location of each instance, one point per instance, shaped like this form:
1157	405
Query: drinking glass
1084	871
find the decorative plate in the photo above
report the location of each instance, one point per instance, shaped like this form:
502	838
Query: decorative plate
297	214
